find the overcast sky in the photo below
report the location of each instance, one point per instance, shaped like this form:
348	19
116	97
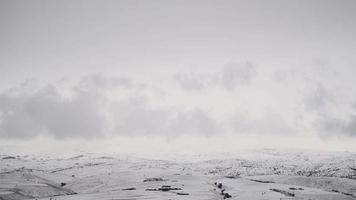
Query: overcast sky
194	76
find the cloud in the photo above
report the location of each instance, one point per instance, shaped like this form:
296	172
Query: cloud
323	103
47	112
193	82
320	98
196	121
99	81
99	106
135	117
340	127
230	77
89	112
234	75
324	99
350	127
272	124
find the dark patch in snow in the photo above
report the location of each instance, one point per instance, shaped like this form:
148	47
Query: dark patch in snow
286	193
261	181
153	179
131	188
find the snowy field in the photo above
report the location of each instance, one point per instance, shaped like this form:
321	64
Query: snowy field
258	175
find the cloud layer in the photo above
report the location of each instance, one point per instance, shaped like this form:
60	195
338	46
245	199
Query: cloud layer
231	76
236	99
46	111
90	111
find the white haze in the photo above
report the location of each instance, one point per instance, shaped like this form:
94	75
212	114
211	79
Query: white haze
176	76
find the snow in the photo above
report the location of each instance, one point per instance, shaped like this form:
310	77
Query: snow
252	175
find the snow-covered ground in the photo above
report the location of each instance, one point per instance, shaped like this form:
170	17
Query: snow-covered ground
265	174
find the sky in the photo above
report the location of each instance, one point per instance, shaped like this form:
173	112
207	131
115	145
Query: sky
177	76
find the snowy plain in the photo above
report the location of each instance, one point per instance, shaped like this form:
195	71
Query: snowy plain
264	174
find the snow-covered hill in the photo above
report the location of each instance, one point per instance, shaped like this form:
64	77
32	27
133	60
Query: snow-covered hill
266	174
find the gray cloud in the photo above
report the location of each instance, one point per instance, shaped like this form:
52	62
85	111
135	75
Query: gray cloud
234	75
193	82
284	76
320	98
322	102
135	117
350	127
99	81
88	113
47	112
325	99
270	124
196	121
335	126
231	76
